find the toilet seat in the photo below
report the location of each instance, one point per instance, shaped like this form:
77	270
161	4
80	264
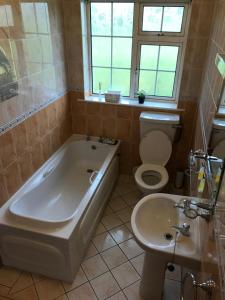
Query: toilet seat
155	168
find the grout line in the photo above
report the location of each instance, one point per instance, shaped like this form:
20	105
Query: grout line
34	283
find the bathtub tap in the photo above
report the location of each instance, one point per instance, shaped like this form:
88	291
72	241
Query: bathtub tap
107	141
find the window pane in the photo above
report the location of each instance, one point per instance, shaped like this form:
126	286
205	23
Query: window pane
172	19
123	19
147	82
152	18
122	52
165	83
101	51
101	75
168	58
101	18
121	81
149	57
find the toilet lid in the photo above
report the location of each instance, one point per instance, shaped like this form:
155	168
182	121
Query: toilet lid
155	148
219	150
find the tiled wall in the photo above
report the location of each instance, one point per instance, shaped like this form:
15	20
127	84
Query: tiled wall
208	104
212	83
27	146
200	23
31	36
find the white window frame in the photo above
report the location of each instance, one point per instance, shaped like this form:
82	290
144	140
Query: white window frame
145	37
167	33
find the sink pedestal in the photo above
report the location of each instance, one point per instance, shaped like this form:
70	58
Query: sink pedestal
153	277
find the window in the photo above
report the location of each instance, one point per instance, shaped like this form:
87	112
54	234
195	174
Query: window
137	47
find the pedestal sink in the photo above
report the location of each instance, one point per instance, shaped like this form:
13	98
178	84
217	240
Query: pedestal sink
152	220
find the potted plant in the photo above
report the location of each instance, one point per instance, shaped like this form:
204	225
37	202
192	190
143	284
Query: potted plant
141	96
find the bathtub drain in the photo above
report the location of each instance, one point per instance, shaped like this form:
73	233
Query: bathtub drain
90	170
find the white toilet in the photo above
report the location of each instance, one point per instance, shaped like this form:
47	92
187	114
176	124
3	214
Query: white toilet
157	132
218	138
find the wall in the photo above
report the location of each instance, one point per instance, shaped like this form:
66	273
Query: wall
208	105
89	114
212	83
32	37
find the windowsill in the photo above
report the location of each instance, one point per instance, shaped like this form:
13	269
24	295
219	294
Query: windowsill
160	105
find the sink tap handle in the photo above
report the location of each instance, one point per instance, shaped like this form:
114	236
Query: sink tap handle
187	203
186	226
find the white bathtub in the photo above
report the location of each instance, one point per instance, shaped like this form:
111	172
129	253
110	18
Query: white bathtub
47	225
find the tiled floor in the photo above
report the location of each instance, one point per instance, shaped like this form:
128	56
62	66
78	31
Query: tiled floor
112	266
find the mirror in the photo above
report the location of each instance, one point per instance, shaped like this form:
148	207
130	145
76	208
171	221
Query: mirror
8	84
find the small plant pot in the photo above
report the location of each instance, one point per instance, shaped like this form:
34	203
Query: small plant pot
141	100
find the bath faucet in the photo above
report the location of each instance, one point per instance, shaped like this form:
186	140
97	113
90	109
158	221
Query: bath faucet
108	141
184	229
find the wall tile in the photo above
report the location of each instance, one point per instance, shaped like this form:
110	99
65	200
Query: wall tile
27	146
13	178
7	150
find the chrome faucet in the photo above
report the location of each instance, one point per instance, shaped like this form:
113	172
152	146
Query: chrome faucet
184	204
205	212
184	229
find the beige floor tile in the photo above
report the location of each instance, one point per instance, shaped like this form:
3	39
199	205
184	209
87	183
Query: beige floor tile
108	211
84	292
100	229
132	291
128	225
111	221
172	290
118	296
105	286
117	204
94	267
114	194
25	280
103	241
92	251
8	276
4	290
63	297
138	263
131	248
113	257
26	294
121	234
125	274
132	198
175	275
125	214
49	289
38	277
124	188
79	280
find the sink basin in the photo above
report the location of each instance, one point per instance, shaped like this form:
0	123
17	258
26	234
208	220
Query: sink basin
152	220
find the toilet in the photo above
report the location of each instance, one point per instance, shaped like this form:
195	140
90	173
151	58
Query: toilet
217	143
157	132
